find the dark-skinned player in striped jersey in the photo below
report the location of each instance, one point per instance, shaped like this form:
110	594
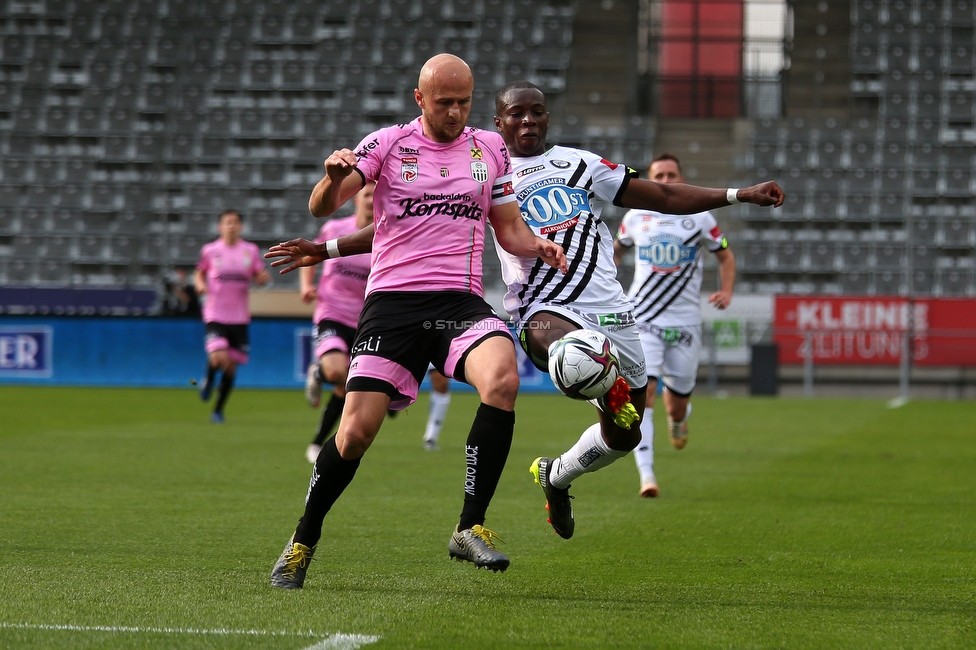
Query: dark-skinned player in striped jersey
561	193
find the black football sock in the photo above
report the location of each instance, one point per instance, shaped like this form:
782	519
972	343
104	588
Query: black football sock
330	415
486	451
211	375
330	476
223	391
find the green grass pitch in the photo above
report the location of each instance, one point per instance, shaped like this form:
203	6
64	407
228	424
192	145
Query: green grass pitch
129	519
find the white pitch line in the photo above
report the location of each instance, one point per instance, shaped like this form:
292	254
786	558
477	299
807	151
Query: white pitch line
336	641
343	642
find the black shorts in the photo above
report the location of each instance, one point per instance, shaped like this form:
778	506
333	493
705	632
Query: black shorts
233	338
329	335
402	332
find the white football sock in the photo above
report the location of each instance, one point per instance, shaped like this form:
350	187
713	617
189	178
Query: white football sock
644	453
589	454
436	413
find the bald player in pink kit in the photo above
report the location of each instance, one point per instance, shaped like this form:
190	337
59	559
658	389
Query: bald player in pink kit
339	298
223	275
437	182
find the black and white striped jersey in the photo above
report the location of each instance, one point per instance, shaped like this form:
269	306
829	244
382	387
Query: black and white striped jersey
668	264
561	195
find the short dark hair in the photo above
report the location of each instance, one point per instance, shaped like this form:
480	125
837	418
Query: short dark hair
240	216
665	156
510	86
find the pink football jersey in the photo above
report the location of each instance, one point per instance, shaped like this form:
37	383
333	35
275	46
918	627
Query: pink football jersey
431	204
342	287
229	271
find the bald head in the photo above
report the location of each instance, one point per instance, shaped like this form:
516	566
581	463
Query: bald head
444	70
443	94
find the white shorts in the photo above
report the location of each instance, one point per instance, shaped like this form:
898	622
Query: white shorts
619	326
672	355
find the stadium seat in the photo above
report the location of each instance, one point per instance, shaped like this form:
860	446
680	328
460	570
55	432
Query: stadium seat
829	154
754	257
15	171
960	12
889	256
955	283
206	198
76	171
198	223
250	124
889	283
293	75
271	28
327	76
234	50
313	149
179	148
261	75
91	248
958	182
273	174
862	155
855	256
822	256
185	249
961	58
262	224
154	250
956	233
303	28
925	182
240	174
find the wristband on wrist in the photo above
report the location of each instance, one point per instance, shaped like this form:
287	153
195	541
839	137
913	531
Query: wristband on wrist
730	195
332	249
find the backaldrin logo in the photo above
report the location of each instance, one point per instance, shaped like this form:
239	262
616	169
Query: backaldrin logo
26	351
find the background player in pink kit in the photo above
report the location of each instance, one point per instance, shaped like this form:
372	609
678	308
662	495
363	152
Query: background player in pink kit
339	299
437	182
223	278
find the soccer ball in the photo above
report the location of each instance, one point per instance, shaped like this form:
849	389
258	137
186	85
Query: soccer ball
583	364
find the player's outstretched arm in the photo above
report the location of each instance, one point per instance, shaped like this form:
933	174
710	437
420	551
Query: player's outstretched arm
199	282
679	198
722	298
337	186
298	253
307	288
518	239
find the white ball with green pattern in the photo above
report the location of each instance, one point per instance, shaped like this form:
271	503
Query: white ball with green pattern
583	364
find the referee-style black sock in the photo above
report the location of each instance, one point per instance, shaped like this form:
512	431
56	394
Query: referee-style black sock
330	415
330	476
223	391
485	454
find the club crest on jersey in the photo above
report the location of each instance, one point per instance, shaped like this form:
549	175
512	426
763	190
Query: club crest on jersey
409	169
559	164
445	172
688	224
479	171
476	153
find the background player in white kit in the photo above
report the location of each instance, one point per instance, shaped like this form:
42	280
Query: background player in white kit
560	192
665	292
